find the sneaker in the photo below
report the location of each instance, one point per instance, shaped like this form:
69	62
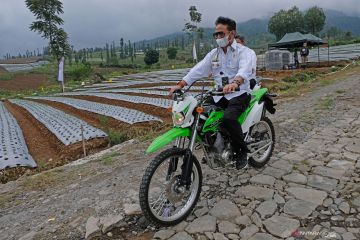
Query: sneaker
241	160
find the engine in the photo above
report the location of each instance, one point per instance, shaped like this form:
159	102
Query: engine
219	150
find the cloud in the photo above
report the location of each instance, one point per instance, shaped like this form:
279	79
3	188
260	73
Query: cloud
94	22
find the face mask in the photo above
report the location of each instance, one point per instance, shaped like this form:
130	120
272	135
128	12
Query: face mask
222	42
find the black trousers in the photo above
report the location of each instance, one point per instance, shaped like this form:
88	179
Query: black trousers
233	109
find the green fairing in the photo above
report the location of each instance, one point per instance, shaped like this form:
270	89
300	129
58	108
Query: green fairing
257	95
211	125
168	137
186	109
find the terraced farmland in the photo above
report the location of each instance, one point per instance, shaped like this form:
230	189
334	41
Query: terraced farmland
59	128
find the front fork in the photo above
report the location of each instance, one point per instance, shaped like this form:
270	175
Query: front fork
186	168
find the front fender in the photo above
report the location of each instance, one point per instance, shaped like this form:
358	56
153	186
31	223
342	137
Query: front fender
168	137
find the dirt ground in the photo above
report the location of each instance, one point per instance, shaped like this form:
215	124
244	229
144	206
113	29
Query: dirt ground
57	203
25	81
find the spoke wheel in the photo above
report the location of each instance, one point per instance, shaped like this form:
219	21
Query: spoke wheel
162	198
261	140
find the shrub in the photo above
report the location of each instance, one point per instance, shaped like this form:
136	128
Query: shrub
79	71
151	57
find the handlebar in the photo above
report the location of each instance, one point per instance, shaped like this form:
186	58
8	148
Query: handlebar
220	92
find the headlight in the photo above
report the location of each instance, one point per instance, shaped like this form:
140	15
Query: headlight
178	118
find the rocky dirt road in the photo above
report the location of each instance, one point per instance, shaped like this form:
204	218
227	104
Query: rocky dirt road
310	189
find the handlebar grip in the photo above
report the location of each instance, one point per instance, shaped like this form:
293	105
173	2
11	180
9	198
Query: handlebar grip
220	89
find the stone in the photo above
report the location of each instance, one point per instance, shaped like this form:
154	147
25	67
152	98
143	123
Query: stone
29	236
209	235
310	195
275	172
340	164
263	179
225	210
180	227
329	172
233	236
201	212
181	236
110	222
92	228
266	209
296	178
205	223
348	236
356	201
344	207
281	226
219	236
322	183
279	199
255	218
243	220
164	234
227	227
262	236
299	208
282	164
354	146
259	193
132	209
249	231
293	157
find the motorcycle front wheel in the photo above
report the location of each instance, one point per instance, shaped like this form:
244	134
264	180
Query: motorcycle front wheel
163	201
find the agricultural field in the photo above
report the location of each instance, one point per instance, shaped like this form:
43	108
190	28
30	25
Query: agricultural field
55	129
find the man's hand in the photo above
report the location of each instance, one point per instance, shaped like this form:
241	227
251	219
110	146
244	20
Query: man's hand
179	86
230	88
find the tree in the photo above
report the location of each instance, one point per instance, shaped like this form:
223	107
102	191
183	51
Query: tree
151	56
284	22
107	54
314	20
171	52
48	24
122	48
192	27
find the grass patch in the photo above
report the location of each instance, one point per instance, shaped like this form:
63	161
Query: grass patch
108	159
6	76
40	181
325	103
115	137
340	91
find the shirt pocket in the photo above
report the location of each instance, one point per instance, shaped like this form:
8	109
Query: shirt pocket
233	64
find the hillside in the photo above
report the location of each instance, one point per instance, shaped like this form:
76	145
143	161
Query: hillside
256	32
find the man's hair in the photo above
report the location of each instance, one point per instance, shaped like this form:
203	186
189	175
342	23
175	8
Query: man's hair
242	38
231	24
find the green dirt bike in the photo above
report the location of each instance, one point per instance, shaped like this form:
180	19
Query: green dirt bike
171	184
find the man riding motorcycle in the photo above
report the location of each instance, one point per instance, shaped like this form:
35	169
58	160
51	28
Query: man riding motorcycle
231	65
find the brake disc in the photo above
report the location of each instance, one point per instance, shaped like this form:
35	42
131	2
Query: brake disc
172	195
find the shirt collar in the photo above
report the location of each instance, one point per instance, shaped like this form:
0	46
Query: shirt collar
233	45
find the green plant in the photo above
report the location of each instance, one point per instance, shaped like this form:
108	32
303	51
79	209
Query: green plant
116	137
78	71
151	57
6	76
171	52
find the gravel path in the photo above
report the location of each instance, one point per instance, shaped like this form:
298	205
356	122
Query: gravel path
310	188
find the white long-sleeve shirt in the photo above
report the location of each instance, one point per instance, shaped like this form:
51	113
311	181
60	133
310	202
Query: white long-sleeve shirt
253	64
236	62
